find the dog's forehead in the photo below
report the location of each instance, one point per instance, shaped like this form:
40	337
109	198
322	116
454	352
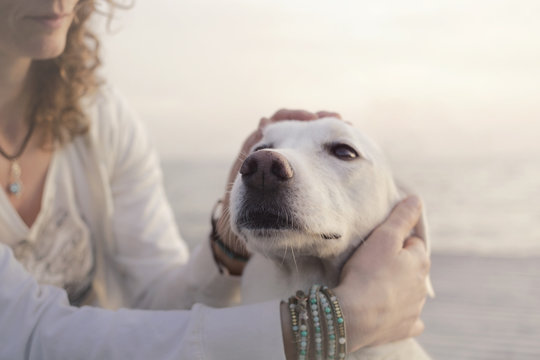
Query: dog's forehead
313	133
321	130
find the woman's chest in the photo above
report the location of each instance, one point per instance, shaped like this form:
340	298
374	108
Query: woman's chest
24	180
57	248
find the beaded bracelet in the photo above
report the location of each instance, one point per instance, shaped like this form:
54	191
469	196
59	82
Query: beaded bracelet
300	325
340	322
330	329
323	306
315	309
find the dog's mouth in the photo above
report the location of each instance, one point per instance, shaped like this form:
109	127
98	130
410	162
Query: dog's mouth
269	224
330	236
266	220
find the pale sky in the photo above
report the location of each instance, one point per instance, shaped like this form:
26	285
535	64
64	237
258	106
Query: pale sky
440	77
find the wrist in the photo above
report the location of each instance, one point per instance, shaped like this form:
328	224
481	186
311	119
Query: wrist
224	260
350	313
313	325
226	256
289	343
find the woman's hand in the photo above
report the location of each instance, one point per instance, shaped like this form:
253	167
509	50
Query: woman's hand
223	226
383	285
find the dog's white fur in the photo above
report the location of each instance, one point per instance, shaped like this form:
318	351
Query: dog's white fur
327	195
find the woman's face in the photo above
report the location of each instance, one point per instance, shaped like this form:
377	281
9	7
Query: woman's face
34	29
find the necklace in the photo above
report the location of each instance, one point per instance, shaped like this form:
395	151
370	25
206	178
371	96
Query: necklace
15	185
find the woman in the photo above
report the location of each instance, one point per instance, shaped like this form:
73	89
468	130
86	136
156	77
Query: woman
83	209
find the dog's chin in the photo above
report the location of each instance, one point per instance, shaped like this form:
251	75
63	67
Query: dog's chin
277	242
272	232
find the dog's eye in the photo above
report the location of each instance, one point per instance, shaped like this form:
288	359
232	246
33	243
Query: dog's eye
343	152
262	147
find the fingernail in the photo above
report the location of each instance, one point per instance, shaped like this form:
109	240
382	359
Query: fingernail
412	201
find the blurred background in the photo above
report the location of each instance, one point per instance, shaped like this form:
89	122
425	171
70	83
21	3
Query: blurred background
449	89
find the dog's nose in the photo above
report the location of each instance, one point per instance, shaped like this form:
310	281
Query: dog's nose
265	170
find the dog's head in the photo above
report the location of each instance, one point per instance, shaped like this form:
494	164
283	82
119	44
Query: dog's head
316	187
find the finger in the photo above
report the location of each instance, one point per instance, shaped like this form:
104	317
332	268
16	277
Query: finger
391	234
263	122
404	216
413	242
422	303
251	140
417	328
286	114
416	247
323	114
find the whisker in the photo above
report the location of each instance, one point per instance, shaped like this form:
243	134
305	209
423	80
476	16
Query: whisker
284	254
294	259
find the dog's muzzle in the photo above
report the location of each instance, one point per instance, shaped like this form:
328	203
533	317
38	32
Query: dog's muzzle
266	176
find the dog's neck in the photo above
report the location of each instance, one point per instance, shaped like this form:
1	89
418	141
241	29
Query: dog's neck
300	272
270	277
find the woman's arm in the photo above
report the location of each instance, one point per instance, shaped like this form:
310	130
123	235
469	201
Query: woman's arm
38	323
382	292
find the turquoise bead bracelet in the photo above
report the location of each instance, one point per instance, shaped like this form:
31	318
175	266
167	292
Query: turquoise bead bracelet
341	341
308	314
330	328
298	305
315	316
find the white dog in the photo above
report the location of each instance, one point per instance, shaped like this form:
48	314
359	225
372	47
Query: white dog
307	195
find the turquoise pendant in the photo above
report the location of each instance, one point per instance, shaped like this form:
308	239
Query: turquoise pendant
15	186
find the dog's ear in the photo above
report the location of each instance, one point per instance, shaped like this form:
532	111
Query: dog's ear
421	230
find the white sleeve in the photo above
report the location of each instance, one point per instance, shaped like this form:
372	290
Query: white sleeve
148	249
37	323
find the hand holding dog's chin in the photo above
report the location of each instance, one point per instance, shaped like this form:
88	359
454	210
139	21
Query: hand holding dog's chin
383	286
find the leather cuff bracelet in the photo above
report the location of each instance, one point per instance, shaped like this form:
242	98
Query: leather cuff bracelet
215	238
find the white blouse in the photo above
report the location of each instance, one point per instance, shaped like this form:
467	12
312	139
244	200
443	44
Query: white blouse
106	234
57	250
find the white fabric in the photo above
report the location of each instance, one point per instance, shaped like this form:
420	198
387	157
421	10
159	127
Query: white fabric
37	323
141	262
57	250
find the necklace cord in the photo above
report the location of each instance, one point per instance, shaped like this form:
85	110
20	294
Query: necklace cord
23	145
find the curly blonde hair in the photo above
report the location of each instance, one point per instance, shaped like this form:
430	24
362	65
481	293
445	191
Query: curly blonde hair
58	85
